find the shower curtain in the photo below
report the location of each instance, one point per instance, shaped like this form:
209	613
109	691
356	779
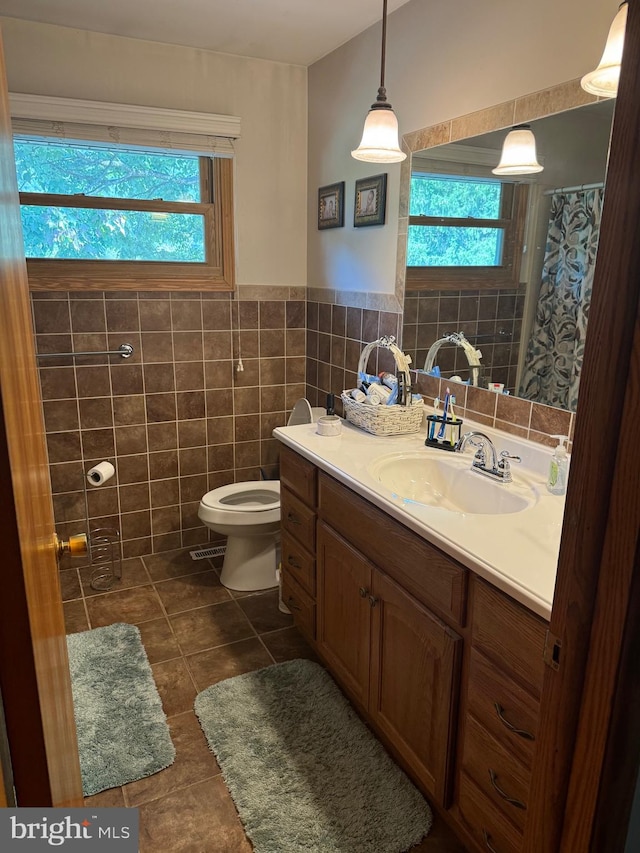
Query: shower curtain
556	347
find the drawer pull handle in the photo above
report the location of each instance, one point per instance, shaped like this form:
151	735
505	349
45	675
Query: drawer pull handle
521	732
293	563
364	592
291	517
291	602
518	804
487	841
373	600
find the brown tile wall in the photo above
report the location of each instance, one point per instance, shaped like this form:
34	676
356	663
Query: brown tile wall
176	419
336	335
491	320
523	418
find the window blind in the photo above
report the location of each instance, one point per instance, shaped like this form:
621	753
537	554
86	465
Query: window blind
125	125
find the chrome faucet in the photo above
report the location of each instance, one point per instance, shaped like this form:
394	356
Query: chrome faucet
485	460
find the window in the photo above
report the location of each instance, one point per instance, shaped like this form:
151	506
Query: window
104	216
464	231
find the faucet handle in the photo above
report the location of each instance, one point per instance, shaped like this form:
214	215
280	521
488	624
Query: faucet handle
476	441
504	467
479	454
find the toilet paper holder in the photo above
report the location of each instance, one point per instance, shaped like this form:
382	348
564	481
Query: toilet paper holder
104	547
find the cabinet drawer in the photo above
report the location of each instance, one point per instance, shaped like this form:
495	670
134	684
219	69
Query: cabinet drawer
299	563
418	567
488	825
505	710
496	772
301	605
509	634
298	520
299	475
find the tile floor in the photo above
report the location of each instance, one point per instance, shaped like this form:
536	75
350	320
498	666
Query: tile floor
195	633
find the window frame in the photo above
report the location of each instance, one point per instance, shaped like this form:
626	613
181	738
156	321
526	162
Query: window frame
217	272
512	219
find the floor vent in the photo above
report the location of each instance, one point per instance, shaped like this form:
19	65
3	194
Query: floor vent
205	553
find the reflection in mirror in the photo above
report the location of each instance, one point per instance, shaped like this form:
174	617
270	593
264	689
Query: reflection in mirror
508	262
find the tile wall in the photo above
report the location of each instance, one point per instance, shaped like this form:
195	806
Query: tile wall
491	320
336	335
177	418
523	418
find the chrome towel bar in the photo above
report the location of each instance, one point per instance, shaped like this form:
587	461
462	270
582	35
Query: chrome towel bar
125	350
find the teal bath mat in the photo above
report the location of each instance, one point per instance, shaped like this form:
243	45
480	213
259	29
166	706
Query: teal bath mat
122	730
304	771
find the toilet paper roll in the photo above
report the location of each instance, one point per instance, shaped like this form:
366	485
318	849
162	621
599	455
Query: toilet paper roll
100	473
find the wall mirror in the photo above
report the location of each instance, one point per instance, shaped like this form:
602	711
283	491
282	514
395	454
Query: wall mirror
507	261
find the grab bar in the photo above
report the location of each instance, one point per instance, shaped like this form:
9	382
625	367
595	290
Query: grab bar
125	350
501	333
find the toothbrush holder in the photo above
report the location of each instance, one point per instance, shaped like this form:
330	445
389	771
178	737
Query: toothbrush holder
451	432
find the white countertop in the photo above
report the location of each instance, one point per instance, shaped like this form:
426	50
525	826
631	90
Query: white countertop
517	552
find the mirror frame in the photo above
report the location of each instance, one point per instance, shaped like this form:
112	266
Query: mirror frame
522	110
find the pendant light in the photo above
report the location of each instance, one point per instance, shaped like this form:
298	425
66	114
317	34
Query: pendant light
603	80
379	143
519	155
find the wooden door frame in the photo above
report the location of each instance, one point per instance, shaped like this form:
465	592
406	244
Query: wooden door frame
34	667
577	802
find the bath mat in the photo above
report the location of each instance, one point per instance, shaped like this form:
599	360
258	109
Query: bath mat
304	771
122	730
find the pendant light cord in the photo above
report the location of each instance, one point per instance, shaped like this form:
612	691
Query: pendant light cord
384	42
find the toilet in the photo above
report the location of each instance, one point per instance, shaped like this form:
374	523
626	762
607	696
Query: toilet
248	514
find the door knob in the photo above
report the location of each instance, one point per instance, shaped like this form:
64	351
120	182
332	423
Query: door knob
75	546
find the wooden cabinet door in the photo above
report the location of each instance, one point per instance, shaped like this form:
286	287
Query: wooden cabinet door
415	660
344	612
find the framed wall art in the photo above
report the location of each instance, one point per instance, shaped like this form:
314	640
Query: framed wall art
370	201
331	206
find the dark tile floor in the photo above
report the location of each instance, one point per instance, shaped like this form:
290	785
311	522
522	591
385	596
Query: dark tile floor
195	633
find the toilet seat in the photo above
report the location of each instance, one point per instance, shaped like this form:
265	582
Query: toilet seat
259	496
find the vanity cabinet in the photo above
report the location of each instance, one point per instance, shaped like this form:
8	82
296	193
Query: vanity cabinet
298	487
504	680
444	667
396	659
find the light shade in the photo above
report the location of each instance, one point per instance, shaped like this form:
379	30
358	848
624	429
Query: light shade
379	143
519	155
604	79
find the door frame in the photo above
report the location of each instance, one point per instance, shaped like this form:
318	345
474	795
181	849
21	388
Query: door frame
590	703
34	668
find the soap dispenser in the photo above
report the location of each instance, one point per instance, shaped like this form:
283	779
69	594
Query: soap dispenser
558	468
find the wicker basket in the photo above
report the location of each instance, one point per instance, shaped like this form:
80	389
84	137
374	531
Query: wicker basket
384	420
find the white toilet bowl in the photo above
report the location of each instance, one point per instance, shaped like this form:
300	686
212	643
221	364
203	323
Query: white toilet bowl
249	515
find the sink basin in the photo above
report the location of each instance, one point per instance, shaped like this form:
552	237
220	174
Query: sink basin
447	482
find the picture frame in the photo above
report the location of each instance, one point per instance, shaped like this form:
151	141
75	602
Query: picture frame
331	206
370	201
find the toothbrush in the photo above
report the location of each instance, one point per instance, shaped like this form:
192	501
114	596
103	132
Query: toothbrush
445	410
432	424
453	418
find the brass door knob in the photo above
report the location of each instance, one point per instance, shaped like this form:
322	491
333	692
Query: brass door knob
75	546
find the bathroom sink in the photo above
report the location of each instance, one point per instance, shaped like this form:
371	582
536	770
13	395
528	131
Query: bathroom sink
447	482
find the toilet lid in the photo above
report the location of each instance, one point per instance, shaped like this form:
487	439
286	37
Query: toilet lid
253	496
